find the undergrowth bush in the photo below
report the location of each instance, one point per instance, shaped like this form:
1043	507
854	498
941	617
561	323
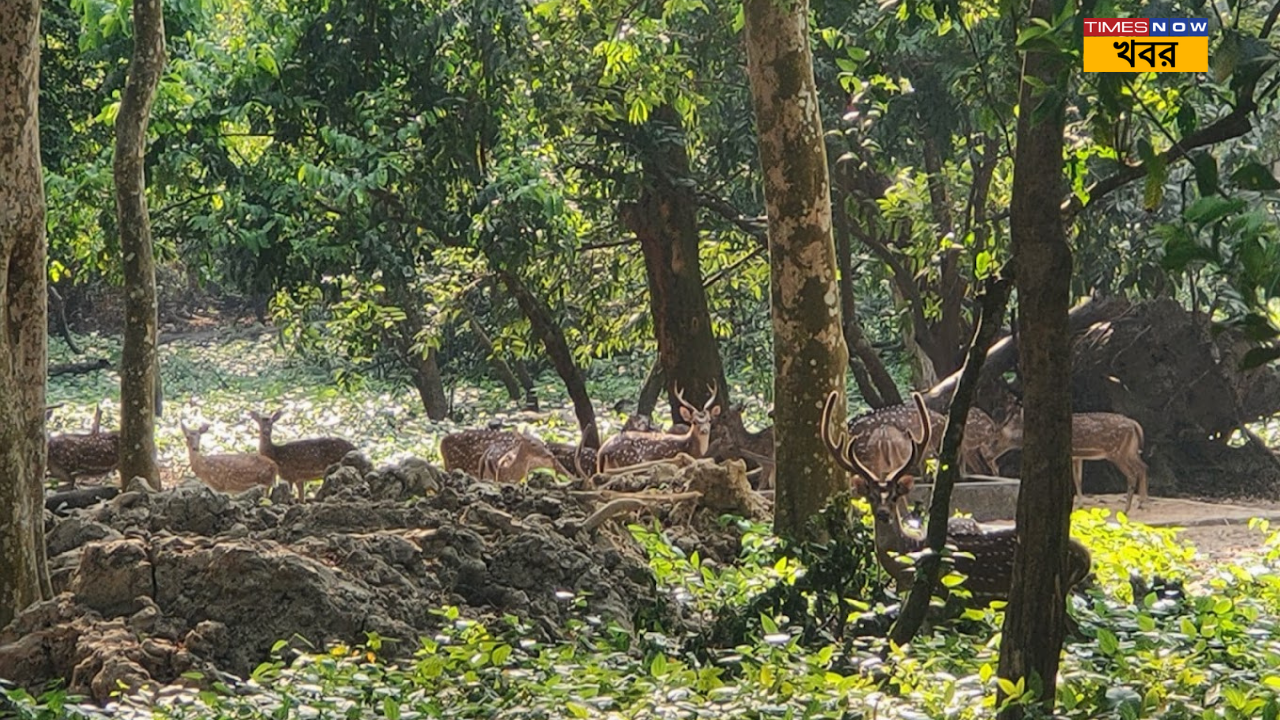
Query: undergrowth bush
785	633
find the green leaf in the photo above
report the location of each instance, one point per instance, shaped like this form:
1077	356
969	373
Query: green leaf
768	624
1259	356
1181	250
1108	643
1254	176
1208	209
1206	166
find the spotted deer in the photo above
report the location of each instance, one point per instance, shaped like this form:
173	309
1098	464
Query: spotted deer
894	425
231	472
581	461
502	464
634	447
465	449
730	440
75	455
1094	436
299	460
986	558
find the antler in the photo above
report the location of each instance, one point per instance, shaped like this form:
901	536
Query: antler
917	447
705	408
841	446
680	397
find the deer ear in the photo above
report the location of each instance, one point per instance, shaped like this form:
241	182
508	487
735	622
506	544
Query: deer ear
276	415
715	411
905	483
684	413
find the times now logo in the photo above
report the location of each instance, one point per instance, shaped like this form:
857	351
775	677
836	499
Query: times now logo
1146	27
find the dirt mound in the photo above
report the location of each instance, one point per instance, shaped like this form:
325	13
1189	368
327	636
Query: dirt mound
152	586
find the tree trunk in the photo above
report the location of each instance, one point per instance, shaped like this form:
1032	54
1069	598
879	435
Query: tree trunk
992	305
949	330
24	572
1035	623
808	347
665	221
501	369
548	331
424	367
652	388
429	382
138	357
874	380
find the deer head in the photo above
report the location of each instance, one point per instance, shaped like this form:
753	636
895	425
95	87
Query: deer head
699	419
882	490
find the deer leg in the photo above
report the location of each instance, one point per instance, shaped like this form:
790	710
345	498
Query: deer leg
1135	471
1077	476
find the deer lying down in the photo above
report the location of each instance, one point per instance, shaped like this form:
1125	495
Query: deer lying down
634	447
75	455
230	472
501	463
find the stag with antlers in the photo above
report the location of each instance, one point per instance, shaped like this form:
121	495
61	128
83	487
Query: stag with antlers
632	447
986	558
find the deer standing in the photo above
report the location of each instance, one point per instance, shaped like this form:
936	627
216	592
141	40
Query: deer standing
1094	436
502	464
300	460
985	557
634	447
231	472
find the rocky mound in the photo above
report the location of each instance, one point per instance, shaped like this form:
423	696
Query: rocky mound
154	585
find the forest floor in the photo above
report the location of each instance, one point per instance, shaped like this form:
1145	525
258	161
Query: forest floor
163	586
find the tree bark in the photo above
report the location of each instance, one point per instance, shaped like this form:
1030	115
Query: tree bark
992	304
429	382
501	370
874	381
1035	624
665	220
552	337
808	347
24	572
138	357
651	389
949	331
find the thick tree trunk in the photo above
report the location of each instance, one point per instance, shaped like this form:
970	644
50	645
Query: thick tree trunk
808	346
874	381
665	221
1035	622
552	337
24	572
138	358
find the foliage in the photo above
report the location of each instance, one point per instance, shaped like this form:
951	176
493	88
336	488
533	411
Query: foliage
1209	649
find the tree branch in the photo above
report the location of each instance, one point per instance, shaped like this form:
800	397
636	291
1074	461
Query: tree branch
757	228
903	278
1231	126
992	302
